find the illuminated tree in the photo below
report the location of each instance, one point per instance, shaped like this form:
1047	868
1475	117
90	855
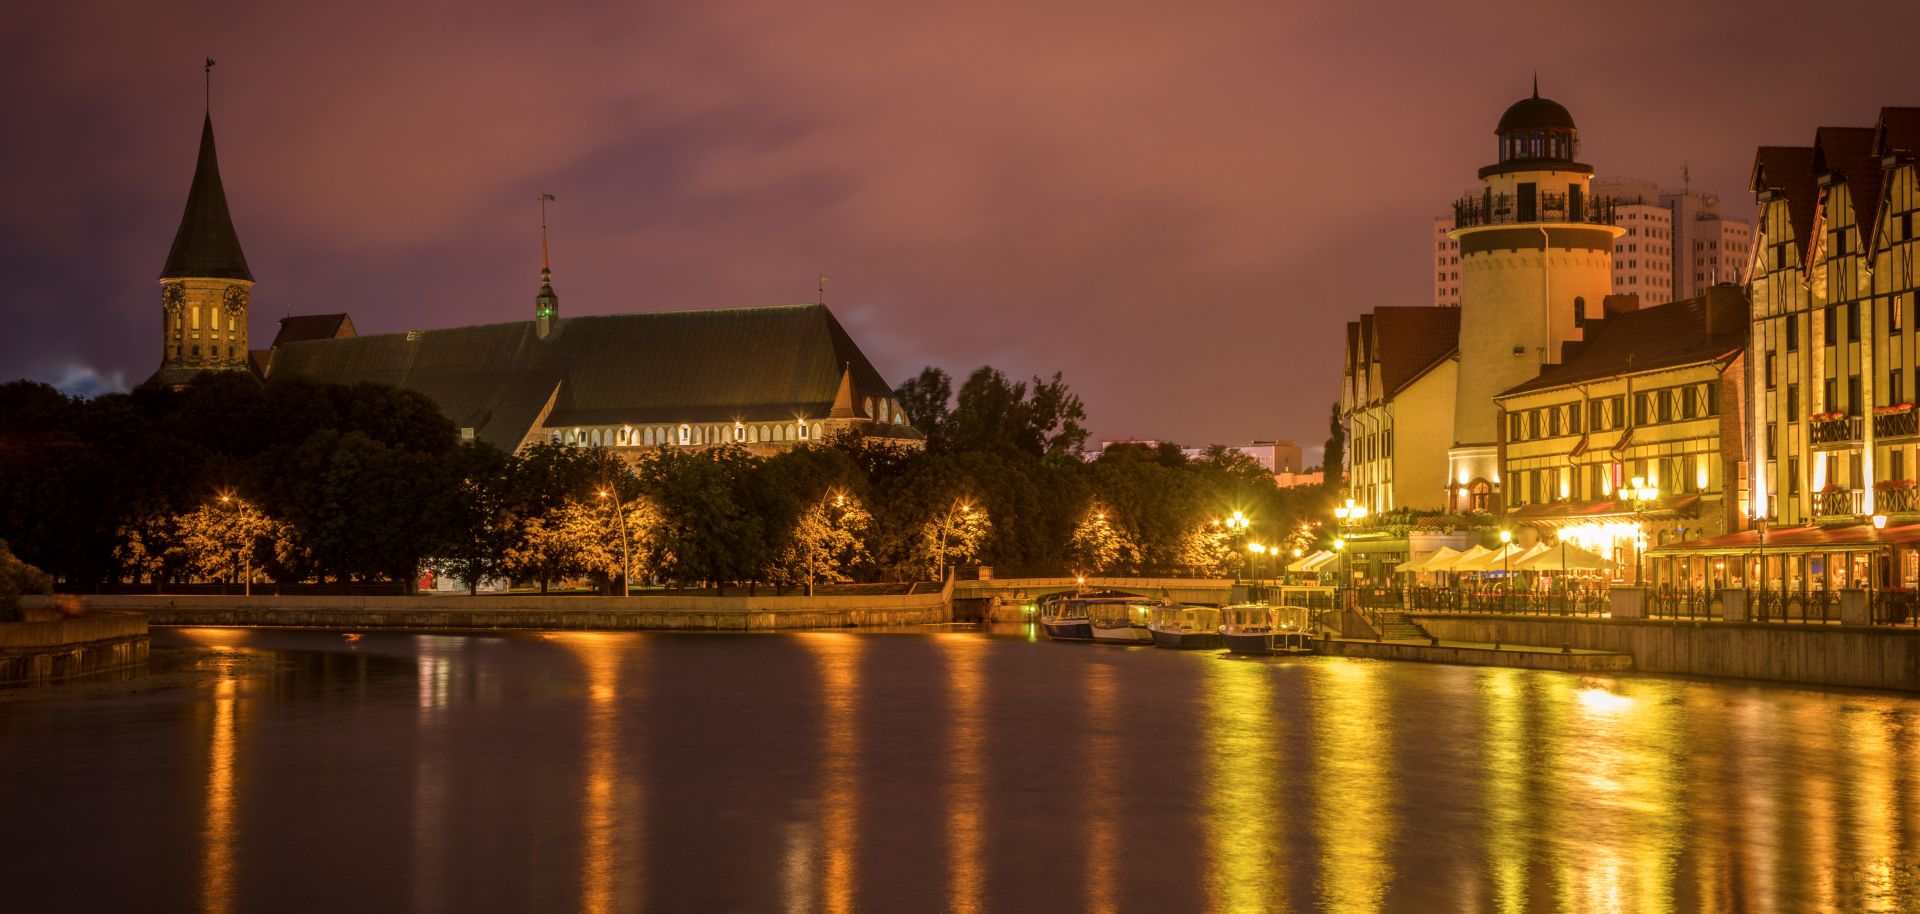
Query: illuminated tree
1100	542
142	546
954	538
1208	546
217	541
829	541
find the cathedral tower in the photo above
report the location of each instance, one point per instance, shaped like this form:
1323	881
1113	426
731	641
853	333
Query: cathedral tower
205	286
546	304
1536	261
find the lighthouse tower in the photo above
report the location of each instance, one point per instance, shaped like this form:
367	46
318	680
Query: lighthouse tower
1536	261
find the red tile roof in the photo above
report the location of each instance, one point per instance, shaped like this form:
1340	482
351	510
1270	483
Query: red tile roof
1789	171
1847	154
1411	340
1664	336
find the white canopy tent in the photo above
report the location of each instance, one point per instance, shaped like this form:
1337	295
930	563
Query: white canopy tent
1564	558
1311	562
1503	558
1427	563
1458	559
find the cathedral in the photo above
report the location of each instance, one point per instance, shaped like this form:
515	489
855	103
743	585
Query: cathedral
763	378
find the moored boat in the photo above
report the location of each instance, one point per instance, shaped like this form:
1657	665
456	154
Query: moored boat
1185	627
1117	620
1066	619
1257	628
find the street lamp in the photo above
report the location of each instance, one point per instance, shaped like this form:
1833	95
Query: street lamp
1506	575
962	507
1254	551
246	560
1340	546
1346	516
626	562
1642	495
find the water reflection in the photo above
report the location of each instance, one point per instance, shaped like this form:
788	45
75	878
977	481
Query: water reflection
288	770
966	771
1103	784
839	658
611	872
1353	784
216	862
1245	774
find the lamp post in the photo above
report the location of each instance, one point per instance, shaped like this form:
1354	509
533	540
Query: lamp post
626	562
1642	495
1345	516
1237	527
1254	552
962	507
1340	546
246	560
1506	539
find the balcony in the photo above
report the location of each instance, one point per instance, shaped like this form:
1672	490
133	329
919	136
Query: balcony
1475	210
1832	428
1902	424
1837	501
1897	498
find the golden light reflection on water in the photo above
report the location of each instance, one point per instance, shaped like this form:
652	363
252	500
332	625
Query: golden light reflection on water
1102	782
966	771
1504	782
839	658
611	852
433	676
1353	785
1620	764
216	839
1874	843
1245	774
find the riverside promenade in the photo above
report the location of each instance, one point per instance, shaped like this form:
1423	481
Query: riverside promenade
460	612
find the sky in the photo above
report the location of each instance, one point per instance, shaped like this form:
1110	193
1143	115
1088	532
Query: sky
1177	205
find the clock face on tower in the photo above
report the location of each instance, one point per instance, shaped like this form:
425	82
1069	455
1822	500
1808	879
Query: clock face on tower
236	298
173	297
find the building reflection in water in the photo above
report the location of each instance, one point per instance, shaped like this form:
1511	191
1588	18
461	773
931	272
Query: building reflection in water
434	667
1245	774
216	839
1353	792
1103	783
839	658
612	873
966	771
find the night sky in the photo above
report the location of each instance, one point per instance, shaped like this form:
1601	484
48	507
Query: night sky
1178	205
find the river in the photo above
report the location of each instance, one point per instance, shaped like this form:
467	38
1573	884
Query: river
950	770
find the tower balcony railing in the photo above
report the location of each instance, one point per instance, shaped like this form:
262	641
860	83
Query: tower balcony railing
1474	210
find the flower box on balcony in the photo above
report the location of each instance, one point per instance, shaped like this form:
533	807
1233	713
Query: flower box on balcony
1827	416
1893	410
1892	485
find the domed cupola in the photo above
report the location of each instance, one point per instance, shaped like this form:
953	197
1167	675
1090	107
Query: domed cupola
1537	129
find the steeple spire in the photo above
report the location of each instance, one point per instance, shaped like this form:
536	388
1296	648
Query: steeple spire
206	246
546	305
1536	84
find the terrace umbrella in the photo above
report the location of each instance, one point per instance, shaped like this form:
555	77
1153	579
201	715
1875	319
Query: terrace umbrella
1575	559
1308	562
1459	561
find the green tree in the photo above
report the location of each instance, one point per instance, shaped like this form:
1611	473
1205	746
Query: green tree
1333	463
1101	543
221	540
18	579
927	399
828	542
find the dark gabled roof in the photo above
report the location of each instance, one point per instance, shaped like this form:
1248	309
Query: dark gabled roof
1788	170
206	244
749	364
1846	153
1898	130
1650	339
302	327
1412	339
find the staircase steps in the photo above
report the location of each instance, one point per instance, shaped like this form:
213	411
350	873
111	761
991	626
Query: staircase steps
1394	626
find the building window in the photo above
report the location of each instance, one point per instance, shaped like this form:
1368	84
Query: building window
686	434
1793	333
1573	419
800	430
1769	367
1832	327
1710	393
1896	386
1793	476
1897	464
1853	396
1853	322
1896	316
1793	402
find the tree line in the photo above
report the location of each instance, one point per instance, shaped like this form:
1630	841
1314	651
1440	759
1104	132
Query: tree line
299	481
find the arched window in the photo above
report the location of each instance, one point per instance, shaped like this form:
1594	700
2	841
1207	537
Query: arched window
779	433
1480	496
686	434
739	432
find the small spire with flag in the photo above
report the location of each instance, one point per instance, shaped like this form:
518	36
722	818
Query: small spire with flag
209	79
544	199
823	290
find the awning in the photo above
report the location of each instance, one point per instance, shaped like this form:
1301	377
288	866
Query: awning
1310	562
1564	558
1556	515
1812	538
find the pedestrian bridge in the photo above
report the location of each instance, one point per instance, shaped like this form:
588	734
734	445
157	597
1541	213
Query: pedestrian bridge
1029	590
